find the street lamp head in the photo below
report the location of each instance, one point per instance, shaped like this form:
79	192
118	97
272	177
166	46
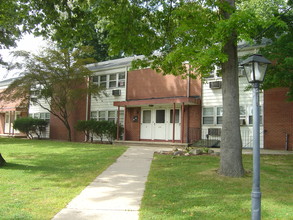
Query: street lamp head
255	68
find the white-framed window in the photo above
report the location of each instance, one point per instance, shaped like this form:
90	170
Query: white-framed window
219	115
103	81
94	115
110	81
41	115
102	116
208	115
108	115
121	79
121	117
112	116
96	79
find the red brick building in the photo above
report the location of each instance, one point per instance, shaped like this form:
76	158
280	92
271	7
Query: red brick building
278	120
161	108
154	107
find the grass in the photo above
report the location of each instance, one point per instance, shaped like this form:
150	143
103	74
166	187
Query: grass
41	177
190	188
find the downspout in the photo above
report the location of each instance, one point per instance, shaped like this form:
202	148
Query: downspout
87	107
9	123
188	95
188	81
173	119
118	124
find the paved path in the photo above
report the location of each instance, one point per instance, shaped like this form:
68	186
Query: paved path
116	193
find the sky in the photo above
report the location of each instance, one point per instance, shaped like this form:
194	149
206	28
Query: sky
28	43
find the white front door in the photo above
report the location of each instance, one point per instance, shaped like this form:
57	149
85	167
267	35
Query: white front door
157	124
7	123
146	124
160	124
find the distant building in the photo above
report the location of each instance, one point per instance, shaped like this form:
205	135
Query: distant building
165	108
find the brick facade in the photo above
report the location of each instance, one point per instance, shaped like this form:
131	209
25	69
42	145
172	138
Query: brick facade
278	120
132	122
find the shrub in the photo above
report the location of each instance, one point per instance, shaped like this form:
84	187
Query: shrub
87	127
101	129
30	126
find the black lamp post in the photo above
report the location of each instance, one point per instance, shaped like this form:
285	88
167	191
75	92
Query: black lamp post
255	68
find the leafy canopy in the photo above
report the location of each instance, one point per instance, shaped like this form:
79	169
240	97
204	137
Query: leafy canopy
170	32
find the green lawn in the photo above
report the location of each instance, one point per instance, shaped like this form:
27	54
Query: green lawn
190	188
41	177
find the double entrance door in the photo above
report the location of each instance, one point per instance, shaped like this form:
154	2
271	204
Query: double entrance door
157	124
9	119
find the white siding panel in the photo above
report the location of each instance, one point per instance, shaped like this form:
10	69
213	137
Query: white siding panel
213	98
38	109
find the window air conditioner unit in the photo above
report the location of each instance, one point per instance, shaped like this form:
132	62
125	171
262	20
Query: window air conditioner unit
242	122
116	92
216	85
214	131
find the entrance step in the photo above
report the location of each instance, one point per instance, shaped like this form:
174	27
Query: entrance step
150	144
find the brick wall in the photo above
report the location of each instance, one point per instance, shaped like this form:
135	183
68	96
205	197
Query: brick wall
57	129
278	119
132	128
193	121
146	84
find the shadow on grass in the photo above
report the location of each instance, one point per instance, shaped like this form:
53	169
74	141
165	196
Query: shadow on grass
57	162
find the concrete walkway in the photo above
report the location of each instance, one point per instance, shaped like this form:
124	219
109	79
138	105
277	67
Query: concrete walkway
116	193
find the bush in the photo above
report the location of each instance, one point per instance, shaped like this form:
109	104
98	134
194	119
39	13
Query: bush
101	129
87	127
30	126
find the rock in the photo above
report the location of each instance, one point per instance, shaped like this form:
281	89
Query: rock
211	151
178	153
196	152
216	153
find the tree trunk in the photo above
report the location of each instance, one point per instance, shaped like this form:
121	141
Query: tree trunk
2	161
231	143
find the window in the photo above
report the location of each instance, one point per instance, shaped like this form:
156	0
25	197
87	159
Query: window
160	116
102	116
112	81
103	81
121	79
94	115
176	116
41	115
96	79
121	117
208	115
219	115
147	116
111	116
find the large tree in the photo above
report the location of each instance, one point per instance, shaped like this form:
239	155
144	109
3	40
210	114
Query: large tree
205	33
57	79
69	23
12	21
280	73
